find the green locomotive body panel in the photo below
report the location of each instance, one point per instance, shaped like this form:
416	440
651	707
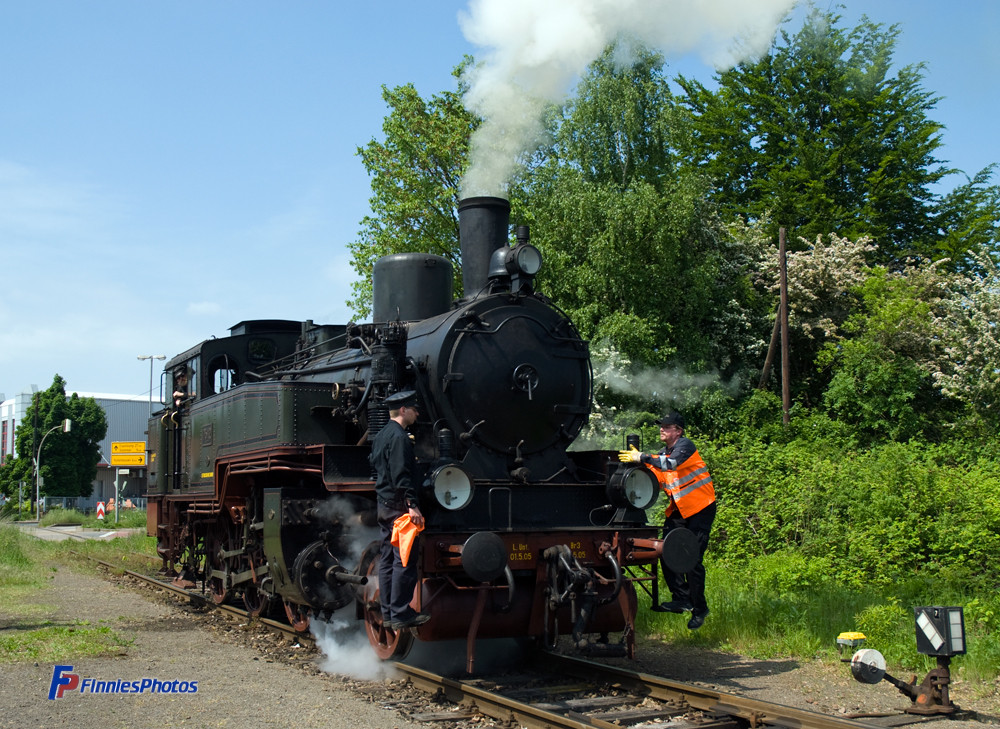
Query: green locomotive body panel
255	417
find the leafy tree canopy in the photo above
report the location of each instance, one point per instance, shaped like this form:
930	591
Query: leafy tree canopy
68	460
415	173
634	250
823	136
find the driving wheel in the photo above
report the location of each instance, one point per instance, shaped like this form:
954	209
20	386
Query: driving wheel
387	642
298	616
255	600
216	584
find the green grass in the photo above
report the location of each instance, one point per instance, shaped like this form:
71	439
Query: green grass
18	557
769	609
27	566
124	552
62	517
128	519
54	643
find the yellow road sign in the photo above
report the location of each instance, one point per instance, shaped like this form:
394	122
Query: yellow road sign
128	459
128	446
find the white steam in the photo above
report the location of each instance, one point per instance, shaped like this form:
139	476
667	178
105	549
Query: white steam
338	510
346	649
535	51
667	387
343	640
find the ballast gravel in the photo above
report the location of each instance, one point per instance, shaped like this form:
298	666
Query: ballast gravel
249	679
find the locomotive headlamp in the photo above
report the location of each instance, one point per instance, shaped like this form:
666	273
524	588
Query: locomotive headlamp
452	487
632	486
521	260
524	259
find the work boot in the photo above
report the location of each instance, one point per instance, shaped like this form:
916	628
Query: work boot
697	618
413	621
674	606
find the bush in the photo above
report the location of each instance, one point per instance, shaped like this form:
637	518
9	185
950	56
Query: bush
874	517
55	517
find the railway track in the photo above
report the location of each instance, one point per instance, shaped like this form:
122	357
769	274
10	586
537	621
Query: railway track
203	599
572	693
562	692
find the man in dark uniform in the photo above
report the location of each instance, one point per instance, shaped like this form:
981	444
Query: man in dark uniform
395	465
685	479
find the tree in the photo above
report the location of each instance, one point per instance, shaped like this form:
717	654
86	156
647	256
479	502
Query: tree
634	250
69	460
969	220
819	134
415	174
968	330
623	124
882	358
823	281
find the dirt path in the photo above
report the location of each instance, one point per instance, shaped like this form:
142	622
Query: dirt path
237	686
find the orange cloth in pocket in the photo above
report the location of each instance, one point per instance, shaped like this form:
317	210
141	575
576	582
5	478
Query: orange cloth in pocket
404	534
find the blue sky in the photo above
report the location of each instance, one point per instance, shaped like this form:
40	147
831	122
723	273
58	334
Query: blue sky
168	169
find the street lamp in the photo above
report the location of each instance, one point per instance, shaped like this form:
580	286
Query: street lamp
65	425
151	357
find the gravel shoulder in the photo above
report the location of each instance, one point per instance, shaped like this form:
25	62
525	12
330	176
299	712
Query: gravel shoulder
237	685
245	679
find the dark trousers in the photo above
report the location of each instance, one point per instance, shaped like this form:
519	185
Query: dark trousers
690	587
395	582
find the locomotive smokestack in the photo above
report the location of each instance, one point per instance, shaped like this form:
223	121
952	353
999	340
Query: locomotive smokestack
483	224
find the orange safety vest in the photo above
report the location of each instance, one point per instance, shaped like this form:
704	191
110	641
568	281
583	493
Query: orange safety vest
690	487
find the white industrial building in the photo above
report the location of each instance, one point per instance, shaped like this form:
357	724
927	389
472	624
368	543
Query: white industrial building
127	416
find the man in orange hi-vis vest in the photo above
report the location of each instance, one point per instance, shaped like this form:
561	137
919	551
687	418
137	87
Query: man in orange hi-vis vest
685	479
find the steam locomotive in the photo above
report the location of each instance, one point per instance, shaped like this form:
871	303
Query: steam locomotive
260	486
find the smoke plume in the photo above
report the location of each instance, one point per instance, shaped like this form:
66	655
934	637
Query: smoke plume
338	511
533	52
346	649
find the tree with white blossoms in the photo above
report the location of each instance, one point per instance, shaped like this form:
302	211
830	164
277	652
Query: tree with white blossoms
604	429
823	281
866	340
971	370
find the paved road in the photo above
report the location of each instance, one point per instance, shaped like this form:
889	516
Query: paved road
62	533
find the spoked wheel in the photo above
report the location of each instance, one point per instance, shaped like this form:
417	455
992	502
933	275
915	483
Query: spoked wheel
216	583
256	600
387	642
298	616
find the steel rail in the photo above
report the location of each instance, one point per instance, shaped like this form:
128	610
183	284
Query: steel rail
231	610
725	709
756	713
501	708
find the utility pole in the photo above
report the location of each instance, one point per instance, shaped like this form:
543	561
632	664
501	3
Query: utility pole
786	390
151	357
